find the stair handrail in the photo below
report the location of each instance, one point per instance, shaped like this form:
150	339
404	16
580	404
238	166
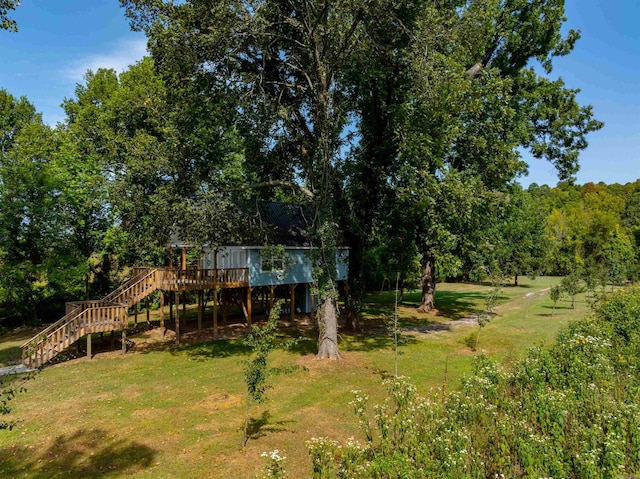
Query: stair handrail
134	279
69	319
52	327
131	284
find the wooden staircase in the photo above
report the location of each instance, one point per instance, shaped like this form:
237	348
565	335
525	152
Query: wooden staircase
86	317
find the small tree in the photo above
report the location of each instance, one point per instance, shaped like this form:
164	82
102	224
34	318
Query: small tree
263	340
491	301
394	327
555	293
572	285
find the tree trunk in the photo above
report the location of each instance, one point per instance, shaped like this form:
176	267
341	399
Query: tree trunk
328	326
516	280
428	302
355	285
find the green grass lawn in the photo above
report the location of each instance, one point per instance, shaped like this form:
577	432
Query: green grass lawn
167	411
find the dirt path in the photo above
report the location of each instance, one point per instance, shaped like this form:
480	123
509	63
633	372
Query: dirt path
471	319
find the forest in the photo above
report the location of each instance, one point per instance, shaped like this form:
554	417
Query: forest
401	126
399	123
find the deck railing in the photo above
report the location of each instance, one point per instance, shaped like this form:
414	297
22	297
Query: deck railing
136	289
110	312
174	278
138	274
63	333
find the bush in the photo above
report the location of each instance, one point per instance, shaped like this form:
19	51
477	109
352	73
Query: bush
571	410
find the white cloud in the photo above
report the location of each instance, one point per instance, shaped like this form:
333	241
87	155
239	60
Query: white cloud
123	54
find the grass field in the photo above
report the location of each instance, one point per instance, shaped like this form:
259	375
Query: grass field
162	411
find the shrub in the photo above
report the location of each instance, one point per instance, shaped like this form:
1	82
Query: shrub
571	410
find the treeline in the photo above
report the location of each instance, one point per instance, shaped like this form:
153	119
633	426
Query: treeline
400	124
83	201
590	231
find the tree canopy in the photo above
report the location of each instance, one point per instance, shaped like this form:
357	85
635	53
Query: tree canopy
6	22
399	123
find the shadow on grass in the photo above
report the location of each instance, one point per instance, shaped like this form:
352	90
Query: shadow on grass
10	355
305	346
545	306
221	348
78	455
374	340
261	426
454	305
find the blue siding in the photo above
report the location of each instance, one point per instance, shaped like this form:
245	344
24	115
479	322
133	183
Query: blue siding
298	272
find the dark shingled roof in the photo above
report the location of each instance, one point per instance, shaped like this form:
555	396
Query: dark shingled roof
290	222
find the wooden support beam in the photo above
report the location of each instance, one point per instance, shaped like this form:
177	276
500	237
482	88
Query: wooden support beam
292	287
184	307
177	299
162	309
200	309
214	293
249	289
215	313
124	341
148	306
170	307
89	346
135	314
272	296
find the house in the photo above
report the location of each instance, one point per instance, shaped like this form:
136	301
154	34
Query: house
242	275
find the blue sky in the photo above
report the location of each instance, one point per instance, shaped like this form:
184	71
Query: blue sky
59	40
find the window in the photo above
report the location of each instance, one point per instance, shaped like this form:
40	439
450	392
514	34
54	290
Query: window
271	264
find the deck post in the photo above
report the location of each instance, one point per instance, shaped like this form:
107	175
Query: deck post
148	313
249	289
177	300
89	346
215	313
124	341
272	291
162	309
313	302
214	293
293	300
135	314
200	295
170	307
184	307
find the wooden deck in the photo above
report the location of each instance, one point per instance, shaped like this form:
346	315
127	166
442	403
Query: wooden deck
110	313
174	279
